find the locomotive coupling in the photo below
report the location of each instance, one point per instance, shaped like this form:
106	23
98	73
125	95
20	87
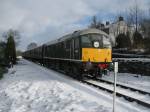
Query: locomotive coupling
88	65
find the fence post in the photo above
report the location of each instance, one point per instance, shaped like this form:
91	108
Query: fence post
115	79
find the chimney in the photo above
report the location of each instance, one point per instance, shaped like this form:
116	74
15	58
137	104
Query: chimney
107	23
121	18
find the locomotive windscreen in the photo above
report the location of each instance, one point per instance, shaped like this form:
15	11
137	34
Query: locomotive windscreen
95	40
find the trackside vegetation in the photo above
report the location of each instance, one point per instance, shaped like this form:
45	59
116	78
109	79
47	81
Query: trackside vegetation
7	53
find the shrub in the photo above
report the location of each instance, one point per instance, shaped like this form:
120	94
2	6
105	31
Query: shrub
146	42
137	40
123	41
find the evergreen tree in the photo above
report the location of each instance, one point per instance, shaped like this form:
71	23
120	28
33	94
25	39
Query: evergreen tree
10	52
146	42
2	53
14	33
123	41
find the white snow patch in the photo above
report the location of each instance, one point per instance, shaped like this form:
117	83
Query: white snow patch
26	88
31	88
131	80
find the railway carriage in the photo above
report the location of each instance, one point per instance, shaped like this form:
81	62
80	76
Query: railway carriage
81	52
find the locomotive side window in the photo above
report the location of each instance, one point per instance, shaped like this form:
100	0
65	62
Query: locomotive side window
76	48
106	42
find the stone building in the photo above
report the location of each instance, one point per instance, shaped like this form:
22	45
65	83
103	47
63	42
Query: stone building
118	27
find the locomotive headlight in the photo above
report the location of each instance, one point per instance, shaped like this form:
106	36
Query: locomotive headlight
96	44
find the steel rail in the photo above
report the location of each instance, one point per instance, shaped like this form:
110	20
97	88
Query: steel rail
128	98
125	87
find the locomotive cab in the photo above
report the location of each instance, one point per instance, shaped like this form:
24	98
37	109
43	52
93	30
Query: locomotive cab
96	53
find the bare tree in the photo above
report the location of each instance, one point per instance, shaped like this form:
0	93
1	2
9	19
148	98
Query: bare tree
96	23
31	46
93	22
135	15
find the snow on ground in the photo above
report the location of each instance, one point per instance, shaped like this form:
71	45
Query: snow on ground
31	88
132	80
127	92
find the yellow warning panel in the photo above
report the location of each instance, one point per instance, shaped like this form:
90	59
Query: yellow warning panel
96	55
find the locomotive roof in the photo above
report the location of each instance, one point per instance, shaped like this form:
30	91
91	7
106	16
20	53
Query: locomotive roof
75	34
92	30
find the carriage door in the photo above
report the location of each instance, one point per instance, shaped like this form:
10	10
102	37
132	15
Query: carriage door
76	48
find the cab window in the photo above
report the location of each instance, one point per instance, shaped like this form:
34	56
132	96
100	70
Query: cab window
90	40
106	42
86	42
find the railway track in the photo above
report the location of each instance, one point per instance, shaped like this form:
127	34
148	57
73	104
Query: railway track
128	98
120	94
125	87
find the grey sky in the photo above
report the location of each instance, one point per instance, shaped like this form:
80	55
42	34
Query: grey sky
44	20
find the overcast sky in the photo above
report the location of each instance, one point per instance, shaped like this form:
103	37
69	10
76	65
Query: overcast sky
43	20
